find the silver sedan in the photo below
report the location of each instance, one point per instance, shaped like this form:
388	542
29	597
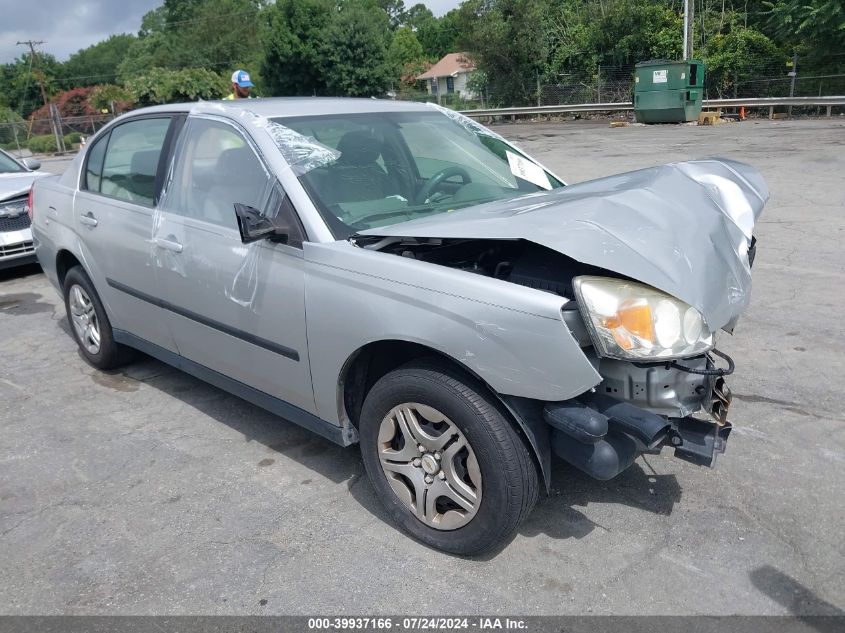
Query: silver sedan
398	276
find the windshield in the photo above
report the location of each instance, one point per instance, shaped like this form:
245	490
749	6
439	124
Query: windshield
397	166
9	164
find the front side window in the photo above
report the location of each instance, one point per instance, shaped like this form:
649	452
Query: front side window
9	165
397	166
131	160
214	169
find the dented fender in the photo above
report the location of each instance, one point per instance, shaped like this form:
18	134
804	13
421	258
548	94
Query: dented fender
513	338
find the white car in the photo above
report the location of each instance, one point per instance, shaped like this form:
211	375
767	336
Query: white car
16	178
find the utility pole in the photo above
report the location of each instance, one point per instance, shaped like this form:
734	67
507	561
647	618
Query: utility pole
689	30
57	131
793	73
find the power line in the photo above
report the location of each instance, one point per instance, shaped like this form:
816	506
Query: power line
211	18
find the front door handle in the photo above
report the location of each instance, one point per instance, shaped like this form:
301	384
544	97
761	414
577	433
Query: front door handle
170	245
88	219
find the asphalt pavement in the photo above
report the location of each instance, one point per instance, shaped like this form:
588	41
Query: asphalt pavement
146	491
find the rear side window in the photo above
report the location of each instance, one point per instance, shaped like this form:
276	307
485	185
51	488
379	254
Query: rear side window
94	164
131	160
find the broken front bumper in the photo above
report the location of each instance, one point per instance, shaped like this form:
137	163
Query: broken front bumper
698	441
640	409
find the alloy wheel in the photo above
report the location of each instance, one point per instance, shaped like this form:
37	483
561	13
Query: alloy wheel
84	319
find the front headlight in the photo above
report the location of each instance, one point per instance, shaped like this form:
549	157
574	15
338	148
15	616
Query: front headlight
633	321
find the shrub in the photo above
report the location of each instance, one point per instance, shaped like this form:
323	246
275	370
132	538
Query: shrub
43	144
11	122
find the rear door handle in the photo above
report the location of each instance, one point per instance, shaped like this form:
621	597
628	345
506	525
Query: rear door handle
88	219
170	245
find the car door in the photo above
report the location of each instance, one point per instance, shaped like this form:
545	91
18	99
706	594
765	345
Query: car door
235	308
113	213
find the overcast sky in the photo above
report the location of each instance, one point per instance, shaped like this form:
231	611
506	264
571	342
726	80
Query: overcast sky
68	25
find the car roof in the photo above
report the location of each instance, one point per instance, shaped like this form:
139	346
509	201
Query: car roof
294	106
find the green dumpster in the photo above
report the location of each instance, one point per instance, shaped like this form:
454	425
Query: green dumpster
667	91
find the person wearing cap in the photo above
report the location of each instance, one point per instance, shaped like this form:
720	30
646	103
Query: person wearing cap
241	85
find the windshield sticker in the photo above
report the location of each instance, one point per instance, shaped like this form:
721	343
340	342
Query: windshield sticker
525	169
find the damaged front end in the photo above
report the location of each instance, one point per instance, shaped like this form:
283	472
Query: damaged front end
640	409
649	267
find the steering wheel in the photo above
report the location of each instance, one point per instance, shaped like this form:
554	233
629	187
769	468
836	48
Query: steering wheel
437	179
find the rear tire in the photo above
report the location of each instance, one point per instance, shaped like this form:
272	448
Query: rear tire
449	465
89	323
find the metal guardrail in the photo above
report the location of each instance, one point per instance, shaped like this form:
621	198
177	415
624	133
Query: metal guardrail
765	102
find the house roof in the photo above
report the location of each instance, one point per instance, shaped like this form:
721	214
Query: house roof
449	66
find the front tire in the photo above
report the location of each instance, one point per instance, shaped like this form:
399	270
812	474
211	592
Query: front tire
450	467
90	324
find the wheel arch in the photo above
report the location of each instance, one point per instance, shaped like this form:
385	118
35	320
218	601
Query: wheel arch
370	362
65	260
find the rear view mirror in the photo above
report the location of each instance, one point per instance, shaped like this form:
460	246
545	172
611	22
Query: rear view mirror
33	164
254	226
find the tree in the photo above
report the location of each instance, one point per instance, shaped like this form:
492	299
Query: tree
294	31
97	63
224	35
405	52
353	52
178	12
104	98
196	34
395	10
70	103
513	71
815	28
160	85
153	48
20	82
632	31
439	36
741	54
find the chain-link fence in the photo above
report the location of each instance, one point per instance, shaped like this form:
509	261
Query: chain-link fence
615	84
39	135
610	84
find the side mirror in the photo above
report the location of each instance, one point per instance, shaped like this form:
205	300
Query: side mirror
254	226
33	164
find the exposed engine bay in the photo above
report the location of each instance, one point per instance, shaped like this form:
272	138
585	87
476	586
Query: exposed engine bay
516	261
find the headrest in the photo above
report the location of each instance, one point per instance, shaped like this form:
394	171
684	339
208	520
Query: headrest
233	161
145	163
359	148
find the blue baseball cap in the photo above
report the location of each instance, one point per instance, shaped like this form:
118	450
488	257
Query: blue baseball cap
241	77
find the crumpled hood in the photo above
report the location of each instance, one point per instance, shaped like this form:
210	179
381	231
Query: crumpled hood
18	183
684	228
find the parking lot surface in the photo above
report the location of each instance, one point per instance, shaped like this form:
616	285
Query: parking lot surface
146	491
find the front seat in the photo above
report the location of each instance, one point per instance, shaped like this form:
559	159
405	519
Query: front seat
356	176
239	178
